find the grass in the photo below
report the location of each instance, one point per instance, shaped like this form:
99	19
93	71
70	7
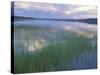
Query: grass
53	57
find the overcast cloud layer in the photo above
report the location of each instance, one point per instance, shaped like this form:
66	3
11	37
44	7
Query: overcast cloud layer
45	10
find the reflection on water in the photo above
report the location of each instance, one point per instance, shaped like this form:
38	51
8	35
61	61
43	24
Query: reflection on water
85	60
30	45
34	45
36	35
57	24
86	34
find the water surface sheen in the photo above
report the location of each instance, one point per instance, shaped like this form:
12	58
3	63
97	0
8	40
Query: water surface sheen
58	45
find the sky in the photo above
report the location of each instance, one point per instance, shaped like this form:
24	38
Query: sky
51	10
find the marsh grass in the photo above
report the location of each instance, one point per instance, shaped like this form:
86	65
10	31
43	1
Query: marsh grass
57	55
51	57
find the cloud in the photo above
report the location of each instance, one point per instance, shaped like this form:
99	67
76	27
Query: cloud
34	6
82	8
64	10
22	5
82	11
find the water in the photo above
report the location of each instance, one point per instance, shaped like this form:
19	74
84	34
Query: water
57	24
76	40
85	61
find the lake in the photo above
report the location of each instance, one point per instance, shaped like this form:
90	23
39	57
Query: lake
49	45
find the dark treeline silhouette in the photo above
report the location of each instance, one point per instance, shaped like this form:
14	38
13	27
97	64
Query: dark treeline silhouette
17	18
88	20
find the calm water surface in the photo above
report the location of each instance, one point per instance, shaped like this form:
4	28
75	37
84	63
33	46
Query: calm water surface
46	32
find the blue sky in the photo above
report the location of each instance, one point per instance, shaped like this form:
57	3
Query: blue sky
45	10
